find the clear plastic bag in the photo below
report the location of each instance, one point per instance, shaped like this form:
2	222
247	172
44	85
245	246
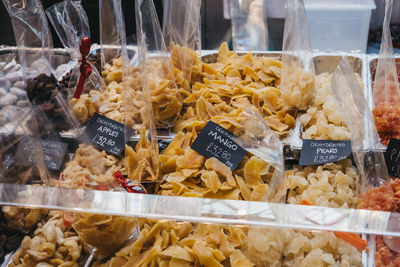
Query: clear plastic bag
34	46
249	25
34	43
182	33
354	108
259	140
31	30
22	162
39	88
259	176
32	108
21	153
156	68
85	84
298	73
122	78
112	30
385	91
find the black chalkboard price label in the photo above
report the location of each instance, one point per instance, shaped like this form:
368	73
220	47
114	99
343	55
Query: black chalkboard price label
216	141
392	157
106	134
24	156
317	152
54	153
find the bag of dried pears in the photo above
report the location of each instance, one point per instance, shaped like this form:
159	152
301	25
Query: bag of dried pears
298	74
333	185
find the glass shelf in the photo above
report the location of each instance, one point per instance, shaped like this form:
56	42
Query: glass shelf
199	209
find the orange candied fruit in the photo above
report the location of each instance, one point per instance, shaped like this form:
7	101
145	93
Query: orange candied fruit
387	199
387	118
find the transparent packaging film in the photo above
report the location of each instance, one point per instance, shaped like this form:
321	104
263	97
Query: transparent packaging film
378	190
385	87
156	67
355	111
297	62
31	30
84	80
182	34
249	25
112	30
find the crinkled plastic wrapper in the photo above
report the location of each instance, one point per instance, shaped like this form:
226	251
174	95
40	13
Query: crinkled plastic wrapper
34	44
249	25
298	74
21	155
21	162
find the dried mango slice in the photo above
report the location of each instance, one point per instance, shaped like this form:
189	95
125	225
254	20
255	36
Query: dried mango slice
253	170
221	169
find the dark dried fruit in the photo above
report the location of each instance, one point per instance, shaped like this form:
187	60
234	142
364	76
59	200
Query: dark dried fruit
42	92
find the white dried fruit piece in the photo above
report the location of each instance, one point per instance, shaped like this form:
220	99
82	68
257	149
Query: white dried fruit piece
90	167
23	219
322	120
333	185
52	244
304	248
298	88
109	102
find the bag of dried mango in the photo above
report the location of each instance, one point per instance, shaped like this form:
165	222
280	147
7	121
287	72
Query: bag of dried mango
156	67
298	74
233	156
83	83
182	34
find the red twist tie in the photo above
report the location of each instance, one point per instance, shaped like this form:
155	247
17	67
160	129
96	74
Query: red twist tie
129	185
85	68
